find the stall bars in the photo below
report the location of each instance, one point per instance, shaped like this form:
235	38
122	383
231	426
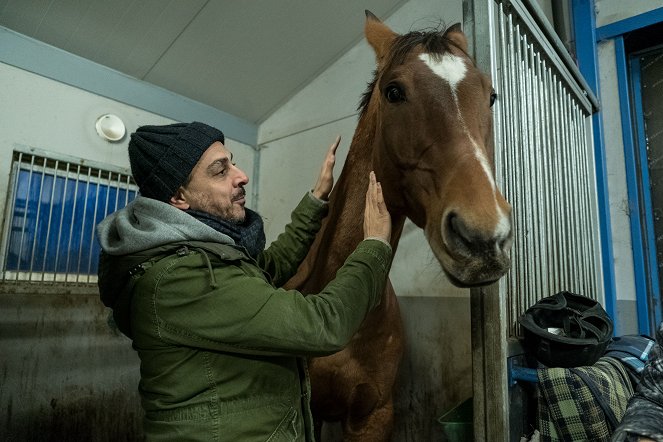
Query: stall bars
544	164
53	206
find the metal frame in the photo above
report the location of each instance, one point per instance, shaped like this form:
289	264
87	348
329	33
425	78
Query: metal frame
547	102
584	22
641	224
52	165
639	195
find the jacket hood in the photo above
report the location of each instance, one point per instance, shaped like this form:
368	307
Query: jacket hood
146	223
145	228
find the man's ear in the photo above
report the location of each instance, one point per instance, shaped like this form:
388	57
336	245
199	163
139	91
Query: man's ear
178	200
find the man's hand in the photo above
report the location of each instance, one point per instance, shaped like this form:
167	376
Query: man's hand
377	221
326	179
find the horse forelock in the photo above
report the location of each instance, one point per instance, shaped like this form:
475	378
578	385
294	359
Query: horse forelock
432	41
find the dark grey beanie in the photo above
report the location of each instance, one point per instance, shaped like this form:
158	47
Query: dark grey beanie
162	157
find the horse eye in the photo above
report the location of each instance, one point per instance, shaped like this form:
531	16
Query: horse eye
493	97
394	94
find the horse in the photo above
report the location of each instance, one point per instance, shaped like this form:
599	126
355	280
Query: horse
425	128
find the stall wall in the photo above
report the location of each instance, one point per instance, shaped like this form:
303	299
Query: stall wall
610	11
436	371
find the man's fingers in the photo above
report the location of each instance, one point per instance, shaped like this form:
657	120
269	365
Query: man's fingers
334	145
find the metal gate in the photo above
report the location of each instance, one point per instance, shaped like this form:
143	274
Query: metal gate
544	163
53	206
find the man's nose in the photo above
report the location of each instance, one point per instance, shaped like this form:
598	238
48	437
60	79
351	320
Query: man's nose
241	177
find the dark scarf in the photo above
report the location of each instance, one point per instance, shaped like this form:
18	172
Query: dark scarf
249	234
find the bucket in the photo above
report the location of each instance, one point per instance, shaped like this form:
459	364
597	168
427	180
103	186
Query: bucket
457	423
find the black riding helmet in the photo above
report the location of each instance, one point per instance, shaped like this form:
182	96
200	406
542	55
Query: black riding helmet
566	330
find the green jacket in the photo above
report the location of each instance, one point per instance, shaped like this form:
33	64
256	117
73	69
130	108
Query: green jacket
222	349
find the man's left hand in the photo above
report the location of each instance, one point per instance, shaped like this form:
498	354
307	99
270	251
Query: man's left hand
326	179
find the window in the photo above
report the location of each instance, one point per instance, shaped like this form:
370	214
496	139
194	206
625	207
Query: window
52	210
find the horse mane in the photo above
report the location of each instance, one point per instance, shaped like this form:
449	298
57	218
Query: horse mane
433	41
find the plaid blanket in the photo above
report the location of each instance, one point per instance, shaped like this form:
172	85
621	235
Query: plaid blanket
583	403
632	351
644	415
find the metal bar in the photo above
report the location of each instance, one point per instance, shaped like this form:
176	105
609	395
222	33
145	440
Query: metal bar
64	203
94	221
71	227
34	237
555	57
83	219
25	215
50	218
9	219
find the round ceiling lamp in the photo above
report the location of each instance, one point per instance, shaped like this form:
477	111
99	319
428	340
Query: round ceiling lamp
110	127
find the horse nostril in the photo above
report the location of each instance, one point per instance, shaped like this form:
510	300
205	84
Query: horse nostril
458	235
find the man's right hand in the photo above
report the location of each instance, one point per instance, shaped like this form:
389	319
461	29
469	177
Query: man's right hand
377	221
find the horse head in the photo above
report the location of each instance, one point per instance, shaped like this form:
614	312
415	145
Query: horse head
433	148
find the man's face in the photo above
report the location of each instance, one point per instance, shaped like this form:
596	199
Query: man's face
216	186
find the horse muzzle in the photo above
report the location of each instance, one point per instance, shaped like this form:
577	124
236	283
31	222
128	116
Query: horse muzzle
474	255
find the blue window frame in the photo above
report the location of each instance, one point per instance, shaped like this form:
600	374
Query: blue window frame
53	209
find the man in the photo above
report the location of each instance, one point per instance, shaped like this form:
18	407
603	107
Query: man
222	348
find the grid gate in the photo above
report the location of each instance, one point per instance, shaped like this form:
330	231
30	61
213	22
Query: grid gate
53	206
545	164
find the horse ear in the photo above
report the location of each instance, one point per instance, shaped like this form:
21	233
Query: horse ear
379	36
455	34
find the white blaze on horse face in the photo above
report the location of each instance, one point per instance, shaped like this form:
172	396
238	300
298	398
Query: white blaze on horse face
452	69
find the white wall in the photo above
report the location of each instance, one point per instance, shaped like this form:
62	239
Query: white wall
610	11
619	210
42	113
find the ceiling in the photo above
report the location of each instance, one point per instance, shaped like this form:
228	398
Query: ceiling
245	58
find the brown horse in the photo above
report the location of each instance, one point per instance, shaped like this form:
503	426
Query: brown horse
426	129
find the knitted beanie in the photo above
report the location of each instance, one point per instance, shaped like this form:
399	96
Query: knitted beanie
162	157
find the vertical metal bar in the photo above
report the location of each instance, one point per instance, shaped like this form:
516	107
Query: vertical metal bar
25	216
36	233
16	171
539	169
518	144
94	222
509	97
71	227
118	186
585	235
559	182
82	233
126	196
50	218
63	202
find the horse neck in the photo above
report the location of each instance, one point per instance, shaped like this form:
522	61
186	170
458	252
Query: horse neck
342	229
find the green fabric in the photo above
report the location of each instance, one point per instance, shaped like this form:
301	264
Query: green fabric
223	351
567	409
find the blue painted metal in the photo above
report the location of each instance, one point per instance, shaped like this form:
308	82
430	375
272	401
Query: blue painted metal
45	60
517	373
630	24
653	317
630	160
585	31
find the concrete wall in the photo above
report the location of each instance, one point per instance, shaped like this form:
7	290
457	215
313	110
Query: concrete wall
610	11
436	372
618	198
607	12
59	118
